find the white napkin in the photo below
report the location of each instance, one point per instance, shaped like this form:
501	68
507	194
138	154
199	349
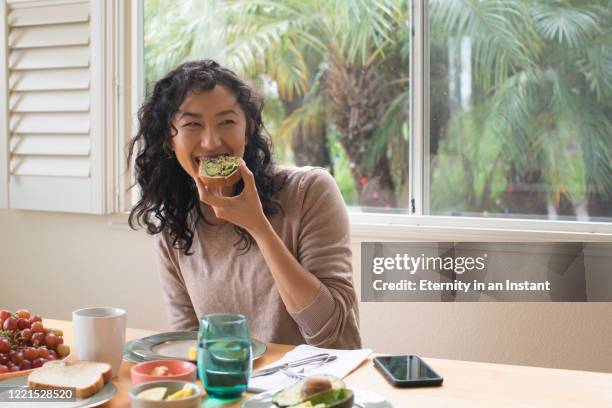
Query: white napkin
347	361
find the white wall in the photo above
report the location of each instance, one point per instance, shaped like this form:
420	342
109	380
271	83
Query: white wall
53	263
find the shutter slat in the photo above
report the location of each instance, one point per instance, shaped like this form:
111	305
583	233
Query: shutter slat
50	145
54	101
45	123
49	36
16	4
68	13
45	58
77	78
50	166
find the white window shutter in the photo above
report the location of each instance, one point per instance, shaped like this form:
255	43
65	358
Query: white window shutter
54	106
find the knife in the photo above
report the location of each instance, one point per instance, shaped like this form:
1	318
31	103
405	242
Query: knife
318	358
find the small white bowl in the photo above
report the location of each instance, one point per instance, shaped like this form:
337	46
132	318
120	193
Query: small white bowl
192	401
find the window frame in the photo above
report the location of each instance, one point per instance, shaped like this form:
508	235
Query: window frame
415	225
4	129
136	97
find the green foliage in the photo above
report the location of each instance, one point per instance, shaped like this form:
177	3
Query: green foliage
541	97
566	24
342	169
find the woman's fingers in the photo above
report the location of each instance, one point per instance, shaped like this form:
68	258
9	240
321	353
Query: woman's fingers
247	176
207	196
244	210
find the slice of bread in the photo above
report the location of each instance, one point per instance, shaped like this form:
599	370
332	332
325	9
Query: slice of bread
220	171
87	377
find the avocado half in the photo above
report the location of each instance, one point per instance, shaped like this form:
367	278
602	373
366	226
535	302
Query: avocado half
220	171
341	398
322	391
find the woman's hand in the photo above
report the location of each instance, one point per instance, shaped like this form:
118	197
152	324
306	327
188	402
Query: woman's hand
244	210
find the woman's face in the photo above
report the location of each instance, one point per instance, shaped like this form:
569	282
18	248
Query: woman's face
208	123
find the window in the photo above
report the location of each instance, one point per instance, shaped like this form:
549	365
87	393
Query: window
508	116
521	109
334	75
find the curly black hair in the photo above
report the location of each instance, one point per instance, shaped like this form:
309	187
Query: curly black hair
169	196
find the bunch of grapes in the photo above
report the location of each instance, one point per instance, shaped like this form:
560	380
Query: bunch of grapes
25	343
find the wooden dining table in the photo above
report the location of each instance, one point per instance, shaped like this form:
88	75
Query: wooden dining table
466	384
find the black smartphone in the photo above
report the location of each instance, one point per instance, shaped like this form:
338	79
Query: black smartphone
407	371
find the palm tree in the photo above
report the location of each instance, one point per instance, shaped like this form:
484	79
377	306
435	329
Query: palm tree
541	108
334	62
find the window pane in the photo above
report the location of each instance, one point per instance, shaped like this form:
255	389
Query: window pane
334	74
521	109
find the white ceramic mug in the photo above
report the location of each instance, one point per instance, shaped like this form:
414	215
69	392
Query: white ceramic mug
99	335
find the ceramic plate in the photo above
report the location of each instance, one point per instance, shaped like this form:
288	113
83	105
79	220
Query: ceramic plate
363	399
104	395
6	376
171	345
129	356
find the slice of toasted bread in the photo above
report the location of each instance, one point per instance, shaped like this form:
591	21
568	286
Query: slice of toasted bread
87	377
220	171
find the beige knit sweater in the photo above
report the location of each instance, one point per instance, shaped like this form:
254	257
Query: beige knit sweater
218	278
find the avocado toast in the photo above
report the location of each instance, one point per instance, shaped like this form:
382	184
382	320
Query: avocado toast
220	171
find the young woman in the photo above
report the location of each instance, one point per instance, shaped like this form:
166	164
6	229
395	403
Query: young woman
273	247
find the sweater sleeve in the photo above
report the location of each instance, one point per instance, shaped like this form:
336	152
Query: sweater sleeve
324	250
179	309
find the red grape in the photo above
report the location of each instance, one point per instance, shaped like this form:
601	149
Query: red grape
4	359
5	345
51	340
60	340
3	369
38	339
10	324
37	327
17	358
25	365
43	352
23	313
4	314
1	324
13	368
52	353
38	362
36	318
22	324
26	334
30	353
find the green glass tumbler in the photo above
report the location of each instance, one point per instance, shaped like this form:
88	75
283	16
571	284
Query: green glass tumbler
224	355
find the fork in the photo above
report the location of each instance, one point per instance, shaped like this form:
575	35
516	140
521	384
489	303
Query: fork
300	373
